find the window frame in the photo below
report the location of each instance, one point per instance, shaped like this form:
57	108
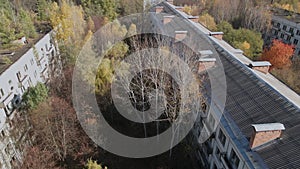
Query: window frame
221	137
295	41
234	159
284	27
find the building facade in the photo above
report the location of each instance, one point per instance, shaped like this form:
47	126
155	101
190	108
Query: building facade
285	26
29	66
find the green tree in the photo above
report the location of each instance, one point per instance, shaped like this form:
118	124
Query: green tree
127	7
7	26
92	7
7	31
227	29
109	8
35	95
106	8
26	24
43	10
249	41
253	38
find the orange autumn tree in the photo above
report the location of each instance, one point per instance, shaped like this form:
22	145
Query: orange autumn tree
279	54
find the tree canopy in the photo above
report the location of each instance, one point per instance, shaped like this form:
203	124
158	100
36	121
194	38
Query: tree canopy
107	8
249	41
279	54
35	95
15	23
208	21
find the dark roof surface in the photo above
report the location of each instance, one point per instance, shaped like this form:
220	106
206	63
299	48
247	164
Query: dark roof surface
289	15
18	53
250	100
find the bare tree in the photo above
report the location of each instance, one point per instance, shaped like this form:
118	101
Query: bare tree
57	132
156	83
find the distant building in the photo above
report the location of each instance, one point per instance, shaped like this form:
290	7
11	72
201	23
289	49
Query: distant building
285	26
260	126
20	70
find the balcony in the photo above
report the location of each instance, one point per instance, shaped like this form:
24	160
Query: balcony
8	97
49	50
44	70
22	79
225	162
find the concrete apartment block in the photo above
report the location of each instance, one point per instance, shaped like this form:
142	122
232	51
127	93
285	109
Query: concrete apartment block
33	66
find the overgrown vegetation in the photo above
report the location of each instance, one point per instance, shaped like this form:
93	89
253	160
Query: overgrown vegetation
243	22
15	23
248	41
60	141
289	75
290	5
279	54
34	96
283	67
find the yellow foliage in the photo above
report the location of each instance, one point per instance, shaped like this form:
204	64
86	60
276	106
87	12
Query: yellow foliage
298	7
88	36
106	20
90	24
131	30
208	21
288	7
68	21
187	9
245	45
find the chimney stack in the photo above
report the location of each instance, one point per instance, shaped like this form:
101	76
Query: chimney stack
218	35
194	18
168	19
159	9
205	53
262	66
205	64
180	35
170	2
265	133
179	8
239	51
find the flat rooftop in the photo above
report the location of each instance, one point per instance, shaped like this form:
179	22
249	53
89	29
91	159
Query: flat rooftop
285	14
14	54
